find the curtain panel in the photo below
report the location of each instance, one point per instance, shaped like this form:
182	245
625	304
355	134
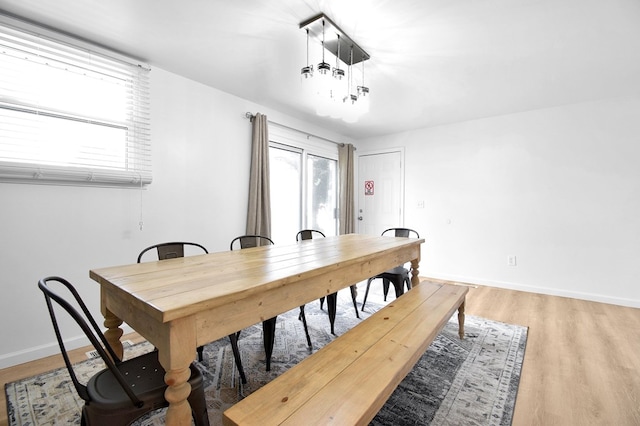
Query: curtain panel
346	153
259	211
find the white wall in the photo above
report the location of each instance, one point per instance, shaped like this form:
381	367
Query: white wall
558	188
201	143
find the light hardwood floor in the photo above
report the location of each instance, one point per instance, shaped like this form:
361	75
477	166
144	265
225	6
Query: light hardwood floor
581	365
582	361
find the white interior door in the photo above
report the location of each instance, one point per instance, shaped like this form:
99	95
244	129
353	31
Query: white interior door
380	191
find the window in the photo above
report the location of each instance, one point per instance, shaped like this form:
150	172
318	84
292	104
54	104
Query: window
69	113
304	185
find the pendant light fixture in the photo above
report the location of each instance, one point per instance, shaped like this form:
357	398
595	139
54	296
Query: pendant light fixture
348	99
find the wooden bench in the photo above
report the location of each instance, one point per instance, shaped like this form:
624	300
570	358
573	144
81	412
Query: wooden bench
349	380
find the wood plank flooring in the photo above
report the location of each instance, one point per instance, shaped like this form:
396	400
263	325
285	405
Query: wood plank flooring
582	362
581	366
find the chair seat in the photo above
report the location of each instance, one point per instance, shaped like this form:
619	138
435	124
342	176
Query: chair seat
398	270
398	276
144	374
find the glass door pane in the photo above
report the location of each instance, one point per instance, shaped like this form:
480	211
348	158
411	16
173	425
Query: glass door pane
322	192
285	171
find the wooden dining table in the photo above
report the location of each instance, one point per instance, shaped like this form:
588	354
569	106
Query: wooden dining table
180	304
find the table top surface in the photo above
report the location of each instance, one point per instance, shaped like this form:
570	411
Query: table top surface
172	288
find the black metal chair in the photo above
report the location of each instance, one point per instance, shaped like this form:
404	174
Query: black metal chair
174	250
332	299
307	234
268	326
171	250
398	276
124	390
249	241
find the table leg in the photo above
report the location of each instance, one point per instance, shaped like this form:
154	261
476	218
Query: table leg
415	264
461	320
176	345
179	411
113	332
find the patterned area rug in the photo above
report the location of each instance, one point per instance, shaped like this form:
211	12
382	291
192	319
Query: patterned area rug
468	382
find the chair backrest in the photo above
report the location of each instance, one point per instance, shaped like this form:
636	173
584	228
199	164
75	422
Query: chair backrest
307	234
248	241
402	232
90	328
170	250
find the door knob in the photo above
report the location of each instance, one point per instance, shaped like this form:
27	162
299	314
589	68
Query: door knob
359	217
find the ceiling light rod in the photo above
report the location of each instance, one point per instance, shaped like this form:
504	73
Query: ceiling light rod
321	22
323	67
307	70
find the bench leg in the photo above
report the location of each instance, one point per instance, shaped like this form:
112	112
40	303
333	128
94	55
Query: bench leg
461	320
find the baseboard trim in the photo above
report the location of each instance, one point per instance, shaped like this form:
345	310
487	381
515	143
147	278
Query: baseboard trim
37	352
631	303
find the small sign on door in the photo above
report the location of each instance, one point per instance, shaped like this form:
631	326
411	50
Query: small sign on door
368	187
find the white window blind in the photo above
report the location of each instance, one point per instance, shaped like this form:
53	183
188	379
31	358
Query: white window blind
70	114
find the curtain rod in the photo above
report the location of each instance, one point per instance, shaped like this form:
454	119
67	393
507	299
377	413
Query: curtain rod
252	116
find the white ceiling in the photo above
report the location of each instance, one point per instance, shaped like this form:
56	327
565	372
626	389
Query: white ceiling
432	61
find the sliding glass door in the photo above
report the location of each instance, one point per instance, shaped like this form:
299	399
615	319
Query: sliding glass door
303	192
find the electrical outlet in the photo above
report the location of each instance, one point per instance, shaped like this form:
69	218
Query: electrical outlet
421	204
511	260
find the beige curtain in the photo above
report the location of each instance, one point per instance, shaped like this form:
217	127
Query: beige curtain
346	208
259	212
